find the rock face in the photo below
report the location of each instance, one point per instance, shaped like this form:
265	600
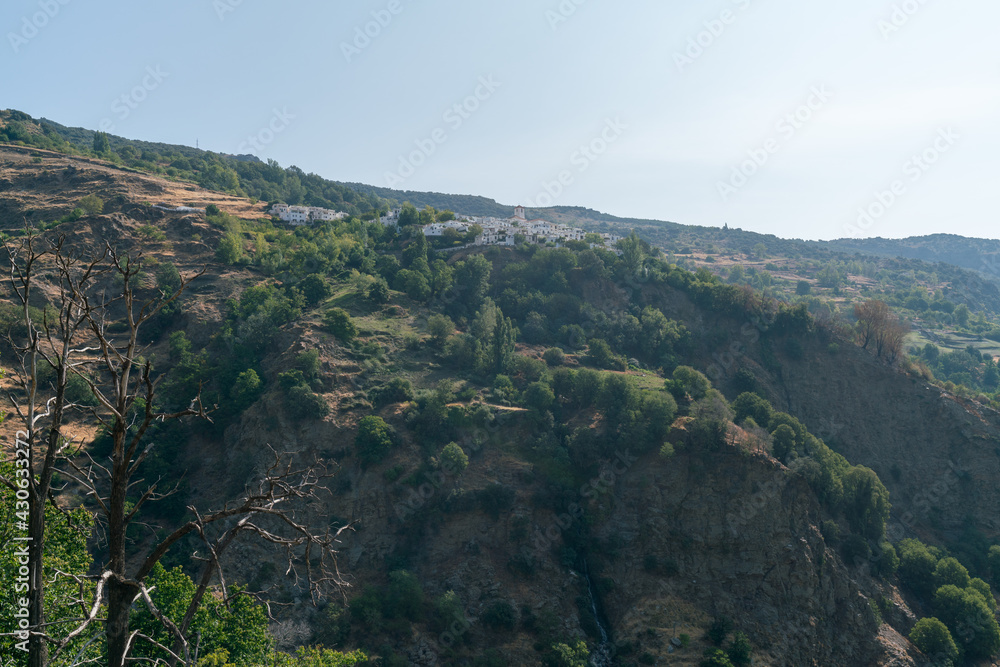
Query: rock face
938	454
741	541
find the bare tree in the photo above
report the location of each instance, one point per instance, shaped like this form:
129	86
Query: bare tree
76	340
879	328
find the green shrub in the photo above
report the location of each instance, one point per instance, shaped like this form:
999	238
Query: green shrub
339	323
719	630
687	383
440	327
916	566
378	292
934	640
715	657
454	460
950	571
970	619
554	356
374	440
92	205
740	650
500	615
566	655
305	404
404	596
749	405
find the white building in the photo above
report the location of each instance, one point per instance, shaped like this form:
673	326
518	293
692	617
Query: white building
300	215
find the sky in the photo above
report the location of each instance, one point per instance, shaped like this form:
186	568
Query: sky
802	119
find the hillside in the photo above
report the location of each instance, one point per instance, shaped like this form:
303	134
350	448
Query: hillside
542	453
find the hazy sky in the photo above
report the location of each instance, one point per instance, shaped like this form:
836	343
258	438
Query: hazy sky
778	116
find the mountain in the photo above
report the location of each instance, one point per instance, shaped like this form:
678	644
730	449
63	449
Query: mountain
542	454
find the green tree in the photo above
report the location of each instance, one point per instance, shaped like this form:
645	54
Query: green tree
454	459
339	323
101	143
237	626
740	650
246	389
440	327
866	502
408	215
950	571
538	397
374	440
92	205
567	655
687	383
993	558
554	356
378	292
961	315
600	354
970	619
916	566
753	406
716	657
314	288
230	249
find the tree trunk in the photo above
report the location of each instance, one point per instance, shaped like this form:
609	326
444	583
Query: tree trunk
38	650
119	596
120	593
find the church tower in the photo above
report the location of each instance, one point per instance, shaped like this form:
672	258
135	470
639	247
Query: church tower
519	213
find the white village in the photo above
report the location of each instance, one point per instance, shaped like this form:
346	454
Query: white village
495	231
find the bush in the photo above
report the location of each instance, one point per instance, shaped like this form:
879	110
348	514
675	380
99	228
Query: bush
374	440
246	389
740	650
969	618
447	609
950	571
719	630
600	355
716	657
440	327
404	597
687	382
397	390
454	460
92	204
500	615
916	566
566	655
314	288
378	292
783	443
753	406
934	640
554	356
339	323
305	404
